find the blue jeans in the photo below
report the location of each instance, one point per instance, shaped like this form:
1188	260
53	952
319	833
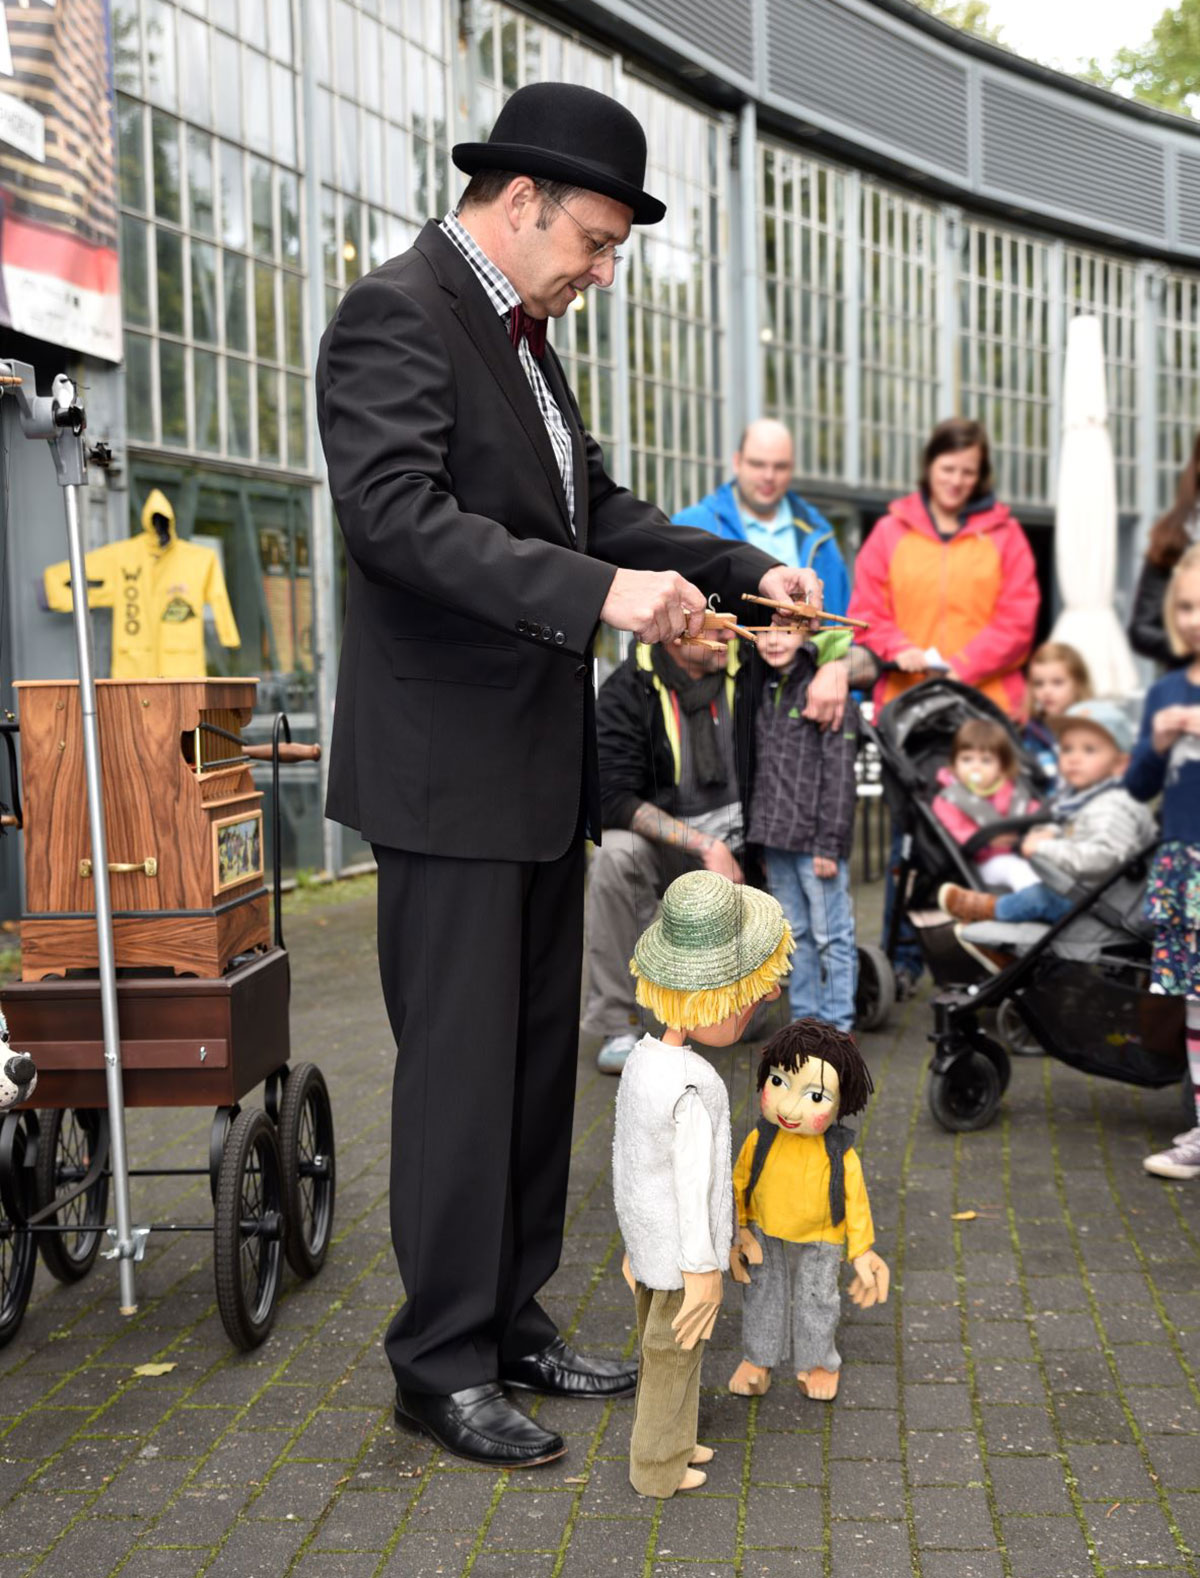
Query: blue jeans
825	963
1036	903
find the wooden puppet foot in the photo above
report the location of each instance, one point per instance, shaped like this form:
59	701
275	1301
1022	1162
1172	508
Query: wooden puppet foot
701	1454
750	1380
818	1383
692	1479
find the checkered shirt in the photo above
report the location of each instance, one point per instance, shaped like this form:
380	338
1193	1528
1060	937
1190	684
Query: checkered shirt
504	298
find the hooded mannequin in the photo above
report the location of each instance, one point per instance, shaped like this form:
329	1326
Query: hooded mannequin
157	586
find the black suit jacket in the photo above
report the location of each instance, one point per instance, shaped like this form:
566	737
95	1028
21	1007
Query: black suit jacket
463	724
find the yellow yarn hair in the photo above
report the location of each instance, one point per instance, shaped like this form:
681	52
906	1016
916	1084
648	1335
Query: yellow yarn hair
691	1010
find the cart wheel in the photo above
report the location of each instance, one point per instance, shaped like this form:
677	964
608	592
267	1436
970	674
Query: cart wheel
967	1095
248	1229
68	1143
18	1252
1015	1033
875	995
309	1171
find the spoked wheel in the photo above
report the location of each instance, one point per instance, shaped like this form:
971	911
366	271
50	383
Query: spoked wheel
248	1229
875	995
309	1172
68	1144
967	1095
1015	1033
18	1252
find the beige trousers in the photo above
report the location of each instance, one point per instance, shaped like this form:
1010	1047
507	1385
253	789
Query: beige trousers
667	1406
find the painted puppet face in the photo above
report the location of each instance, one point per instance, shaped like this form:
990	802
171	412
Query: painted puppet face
804	1101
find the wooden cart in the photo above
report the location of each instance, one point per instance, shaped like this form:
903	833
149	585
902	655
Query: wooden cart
202	992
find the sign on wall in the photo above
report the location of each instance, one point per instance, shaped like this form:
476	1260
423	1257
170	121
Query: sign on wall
59	278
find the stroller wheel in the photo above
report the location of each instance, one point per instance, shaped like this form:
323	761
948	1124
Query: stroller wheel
1015	1033
967	1095
1187	1101
875	995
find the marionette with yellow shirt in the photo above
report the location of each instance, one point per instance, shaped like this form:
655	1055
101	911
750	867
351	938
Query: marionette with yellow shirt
157	585
717	950
802	1205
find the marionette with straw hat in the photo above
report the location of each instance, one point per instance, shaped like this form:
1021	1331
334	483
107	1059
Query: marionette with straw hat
715	952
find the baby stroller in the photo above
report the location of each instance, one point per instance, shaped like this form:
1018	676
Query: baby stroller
913	736
1080	987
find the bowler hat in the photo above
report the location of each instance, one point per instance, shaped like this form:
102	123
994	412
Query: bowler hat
563	132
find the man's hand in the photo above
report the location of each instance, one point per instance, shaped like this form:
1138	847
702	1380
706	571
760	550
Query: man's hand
746	1252
656	605
824	868
826	704
785	585
698	1312
718	857
871	1280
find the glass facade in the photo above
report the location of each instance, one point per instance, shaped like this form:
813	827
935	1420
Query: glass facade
901	334
802	241
1178	392
874	311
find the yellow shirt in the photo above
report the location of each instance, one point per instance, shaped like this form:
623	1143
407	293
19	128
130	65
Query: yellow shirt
157	595
791	1198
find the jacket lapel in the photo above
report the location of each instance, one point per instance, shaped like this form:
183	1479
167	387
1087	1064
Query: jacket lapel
486	329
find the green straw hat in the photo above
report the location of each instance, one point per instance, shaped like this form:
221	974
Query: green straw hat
717	947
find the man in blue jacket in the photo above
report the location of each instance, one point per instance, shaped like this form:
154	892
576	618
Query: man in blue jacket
756	507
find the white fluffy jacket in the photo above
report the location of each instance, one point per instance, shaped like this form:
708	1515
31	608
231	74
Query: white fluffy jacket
654	1083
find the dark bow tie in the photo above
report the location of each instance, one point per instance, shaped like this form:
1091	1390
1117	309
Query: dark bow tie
521	323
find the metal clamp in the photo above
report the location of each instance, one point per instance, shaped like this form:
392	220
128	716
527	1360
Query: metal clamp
135	1250
148	867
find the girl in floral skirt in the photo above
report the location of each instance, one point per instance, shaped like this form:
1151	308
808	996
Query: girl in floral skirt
1167	759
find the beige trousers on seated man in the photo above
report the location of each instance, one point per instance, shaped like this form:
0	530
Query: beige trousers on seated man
627	876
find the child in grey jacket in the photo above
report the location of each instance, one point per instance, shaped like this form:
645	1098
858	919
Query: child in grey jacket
1097	823
802	804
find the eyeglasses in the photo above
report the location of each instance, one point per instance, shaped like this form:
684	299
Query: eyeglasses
601	251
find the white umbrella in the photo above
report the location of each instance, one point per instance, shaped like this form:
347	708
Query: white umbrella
1085	526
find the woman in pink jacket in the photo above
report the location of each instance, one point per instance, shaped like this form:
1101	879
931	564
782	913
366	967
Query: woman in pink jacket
948	574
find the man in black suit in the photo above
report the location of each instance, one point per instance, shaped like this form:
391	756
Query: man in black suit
485	542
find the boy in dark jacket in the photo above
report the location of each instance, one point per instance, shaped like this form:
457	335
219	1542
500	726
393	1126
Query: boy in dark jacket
802	814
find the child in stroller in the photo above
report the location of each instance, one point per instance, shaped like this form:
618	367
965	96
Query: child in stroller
1097	824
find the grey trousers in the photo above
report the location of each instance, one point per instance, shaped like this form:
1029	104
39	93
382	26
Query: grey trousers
792	1295
627	876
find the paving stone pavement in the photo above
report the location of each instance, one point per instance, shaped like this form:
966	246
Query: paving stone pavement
1025	1406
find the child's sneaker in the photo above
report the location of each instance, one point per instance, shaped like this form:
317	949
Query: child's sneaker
1181	1161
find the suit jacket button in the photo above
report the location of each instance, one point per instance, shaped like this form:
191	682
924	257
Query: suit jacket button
522	626
581	671
546	632
560	639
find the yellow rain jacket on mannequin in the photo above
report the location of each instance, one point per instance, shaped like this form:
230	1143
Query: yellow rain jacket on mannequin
157	594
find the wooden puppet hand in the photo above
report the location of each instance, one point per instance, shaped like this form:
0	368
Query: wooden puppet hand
746	1252
627	1273
698	1312
871	1280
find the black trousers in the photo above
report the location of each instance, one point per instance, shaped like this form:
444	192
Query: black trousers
480	962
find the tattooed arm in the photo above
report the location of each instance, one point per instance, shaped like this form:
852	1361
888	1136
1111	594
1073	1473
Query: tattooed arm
655	824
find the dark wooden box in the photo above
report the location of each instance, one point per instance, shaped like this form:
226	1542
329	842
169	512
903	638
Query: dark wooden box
184	1042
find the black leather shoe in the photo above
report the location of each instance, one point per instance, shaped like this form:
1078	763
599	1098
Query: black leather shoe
559	1371
481	1425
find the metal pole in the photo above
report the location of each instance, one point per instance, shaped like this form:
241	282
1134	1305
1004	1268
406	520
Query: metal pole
104	932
